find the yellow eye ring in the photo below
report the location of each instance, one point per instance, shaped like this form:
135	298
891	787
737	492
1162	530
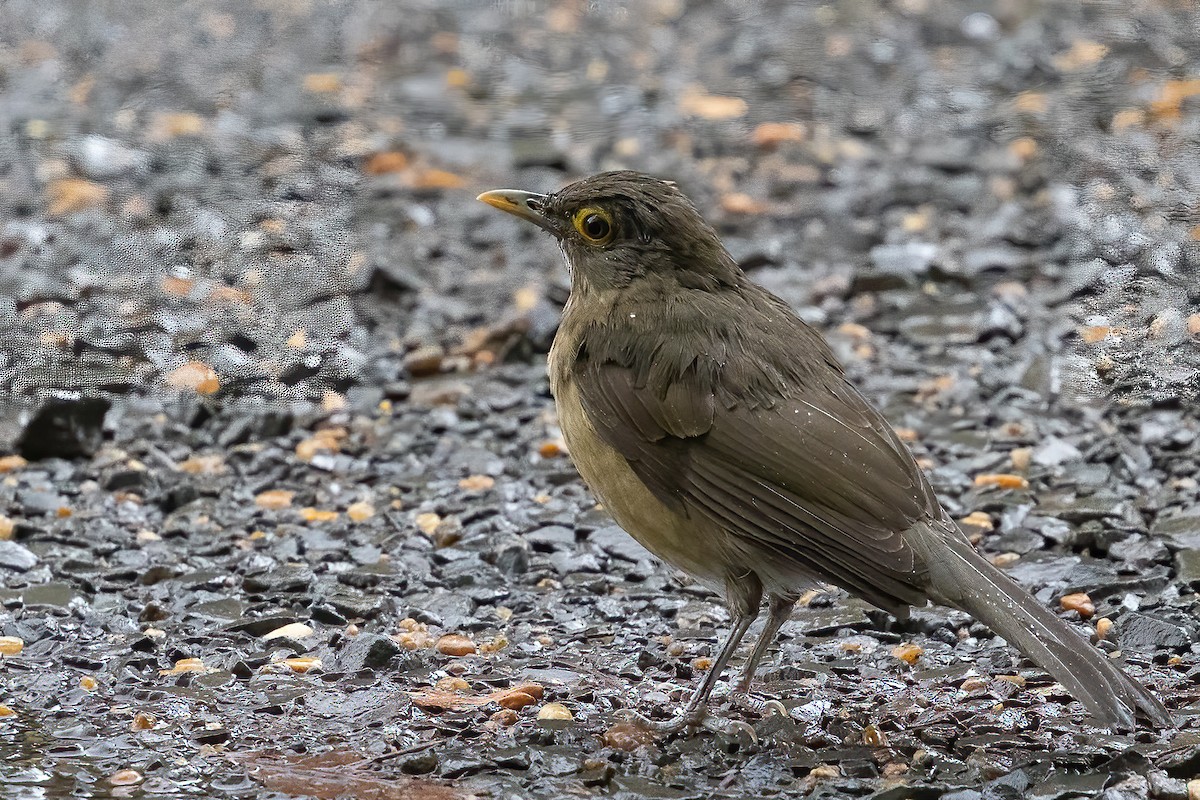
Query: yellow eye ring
594	225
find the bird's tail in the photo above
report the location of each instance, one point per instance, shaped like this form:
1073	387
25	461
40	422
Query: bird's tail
960	577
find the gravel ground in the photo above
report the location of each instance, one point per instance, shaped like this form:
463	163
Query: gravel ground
284	510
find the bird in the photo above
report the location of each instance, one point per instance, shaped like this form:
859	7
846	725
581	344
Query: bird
721	432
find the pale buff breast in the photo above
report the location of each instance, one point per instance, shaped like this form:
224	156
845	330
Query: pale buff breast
673	537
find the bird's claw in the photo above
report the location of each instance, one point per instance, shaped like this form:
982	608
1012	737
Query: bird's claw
693	719
763	708
733	728
688	720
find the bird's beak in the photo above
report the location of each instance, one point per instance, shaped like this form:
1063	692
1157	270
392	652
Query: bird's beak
526	205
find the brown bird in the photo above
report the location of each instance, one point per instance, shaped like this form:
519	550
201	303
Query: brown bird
722	433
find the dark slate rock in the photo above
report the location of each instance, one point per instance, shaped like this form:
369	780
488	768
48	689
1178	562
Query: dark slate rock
616	542
260	626
64	428
420	763
367	651
551	537
1009	787
288	578
462	765
356	606
1145	633
1180	531
510	555
1139	551
448	610
1021	540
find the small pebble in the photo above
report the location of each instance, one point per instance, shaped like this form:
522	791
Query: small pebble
555	711
185	665
1003	481
11	463
908	652
453	683
125	777
477	483
454	644
296	630
142	721
360	512
626	736
317	515
299	664
196	376
203	465
505	717
274	498
1078	601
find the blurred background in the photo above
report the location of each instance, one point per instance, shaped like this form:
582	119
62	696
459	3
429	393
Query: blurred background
277	197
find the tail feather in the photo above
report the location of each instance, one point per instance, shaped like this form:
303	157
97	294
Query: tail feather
960	577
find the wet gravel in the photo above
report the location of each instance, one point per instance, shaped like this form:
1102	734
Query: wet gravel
283	506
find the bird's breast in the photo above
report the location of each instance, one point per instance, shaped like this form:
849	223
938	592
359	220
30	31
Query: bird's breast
687	544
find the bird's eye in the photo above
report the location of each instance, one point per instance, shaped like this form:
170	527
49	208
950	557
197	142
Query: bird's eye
594	225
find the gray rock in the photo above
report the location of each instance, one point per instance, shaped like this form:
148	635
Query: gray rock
1139	551
551	537
1164	787
998	257
287	578
99	158
1144	633
511	556
1054	451
16	557
619	544
911	258
567	563
355	606
1187	568
40	502
367	651
1021	540
942	329
1179	531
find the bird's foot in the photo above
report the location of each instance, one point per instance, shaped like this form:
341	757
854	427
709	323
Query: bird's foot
693	719
742	699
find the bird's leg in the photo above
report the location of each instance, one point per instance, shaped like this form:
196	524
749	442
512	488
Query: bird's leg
779	610
744	595
700	698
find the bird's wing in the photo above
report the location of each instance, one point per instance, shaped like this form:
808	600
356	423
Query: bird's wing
816	476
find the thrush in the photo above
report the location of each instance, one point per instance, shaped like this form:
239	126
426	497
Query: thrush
722	433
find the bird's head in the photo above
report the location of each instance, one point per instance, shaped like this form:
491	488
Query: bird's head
617	227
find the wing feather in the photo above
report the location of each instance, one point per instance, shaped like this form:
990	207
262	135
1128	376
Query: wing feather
817	477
